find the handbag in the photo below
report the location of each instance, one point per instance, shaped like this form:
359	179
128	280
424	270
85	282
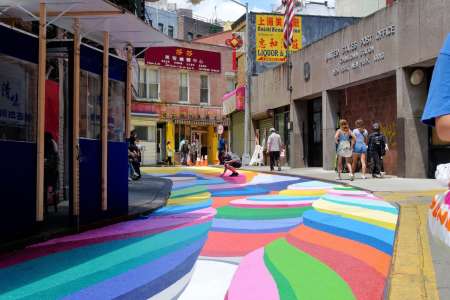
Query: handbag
442	174
344	149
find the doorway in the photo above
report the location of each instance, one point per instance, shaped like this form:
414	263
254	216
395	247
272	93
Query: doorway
161	143
315	146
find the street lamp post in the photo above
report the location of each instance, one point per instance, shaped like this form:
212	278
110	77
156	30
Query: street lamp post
246	154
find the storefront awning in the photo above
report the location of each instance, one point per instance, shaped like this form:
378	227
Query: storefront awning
95	17
233	101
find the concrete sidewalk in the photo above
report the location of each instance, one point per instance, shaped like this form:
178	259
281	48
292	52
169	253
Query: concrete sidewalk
387	184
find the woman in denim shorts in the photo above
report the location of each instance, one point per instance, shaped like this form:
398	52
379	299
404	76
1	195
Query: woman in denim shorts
360	148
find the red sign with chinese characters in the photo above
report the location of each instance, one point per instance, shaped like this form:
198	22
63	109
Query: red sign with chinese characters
184	58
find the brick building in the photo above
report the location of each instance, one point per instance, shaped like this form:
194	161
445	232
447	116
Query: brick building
378	69
176	102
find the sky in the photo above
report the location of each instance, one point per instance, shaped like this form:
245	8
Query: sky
226	10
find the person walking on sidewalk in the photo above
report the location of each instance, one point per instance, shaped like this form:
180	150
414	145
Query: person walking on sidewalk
377	149
360	148
345	140
169	151
274	146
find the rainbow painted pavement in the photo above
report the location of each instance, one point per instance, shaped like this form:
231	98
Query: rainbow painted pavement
256	236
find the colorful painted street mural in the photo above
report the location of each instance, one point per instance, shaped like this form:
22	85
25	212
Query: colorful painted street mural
256	236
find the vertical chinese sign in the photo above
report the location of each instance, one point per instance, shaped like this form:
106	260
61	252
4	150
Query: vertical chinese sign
269	37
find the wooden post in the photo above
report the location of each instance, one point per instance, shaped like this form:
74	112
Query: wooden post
76	118
129	88
105	104
40	188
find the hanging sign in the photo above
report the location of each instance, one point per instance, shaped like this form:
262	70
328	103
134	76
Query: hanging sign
269	37
233	101
184	58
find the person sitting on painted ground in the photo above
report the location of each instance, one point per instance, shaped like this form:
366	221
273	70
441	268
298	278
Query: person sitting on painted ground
274	147
231	162
437	108
376	150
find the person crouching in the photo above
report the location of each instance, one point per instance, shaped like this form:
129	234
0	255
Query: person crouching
231	162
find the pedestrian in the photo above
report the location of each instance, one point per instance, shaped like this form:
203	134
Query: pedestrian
274	146
194	151
184	151
221	149
169	152
360	148
134	156
231	162
51	159
376	150
345	140
437	108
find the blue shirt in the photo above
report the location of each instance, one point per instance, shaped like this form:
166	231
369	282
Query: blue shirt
438	103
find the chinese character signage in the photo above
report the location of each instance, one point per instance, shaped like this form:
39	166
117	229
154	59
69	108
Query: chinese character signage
269	37
184	58
233	101
12	98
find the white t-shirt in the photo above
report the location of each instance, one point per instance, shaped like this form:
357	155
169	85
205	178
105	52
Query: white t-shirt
274	142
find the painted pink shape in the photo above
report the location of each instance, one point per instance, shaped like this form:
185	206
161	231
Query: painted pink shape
252	280
350	193
447	198
269	204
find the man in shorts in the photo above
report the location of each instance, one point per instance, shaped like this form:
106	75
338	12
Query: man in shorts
231	162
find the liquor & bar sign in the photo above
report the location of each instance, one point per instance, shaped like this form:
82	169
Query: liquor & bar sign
184	58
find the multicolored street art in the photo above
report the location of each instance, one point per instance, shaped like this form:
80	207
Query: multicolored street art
256	236
439	218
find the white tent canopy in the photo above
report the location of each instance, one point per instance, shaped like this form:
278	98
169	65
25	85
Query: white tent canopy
95	17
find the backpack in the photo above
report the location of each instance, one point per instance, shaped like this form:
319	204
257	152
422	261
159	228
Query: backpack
185	148
379	144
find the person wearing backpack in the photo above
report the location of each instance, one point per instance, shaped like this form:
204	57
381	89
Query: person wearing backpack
377	149
345	141
184	150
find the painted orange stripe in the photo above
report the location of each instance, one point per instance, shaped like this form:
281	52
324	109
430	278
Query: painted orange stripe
224	201
224	244
376	259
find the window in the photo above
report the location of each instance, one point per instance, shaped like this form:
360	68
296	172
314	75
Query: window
149	83
18	99
116	111
161	27
142	133
170	31
190	36
184	87
204	89
90	105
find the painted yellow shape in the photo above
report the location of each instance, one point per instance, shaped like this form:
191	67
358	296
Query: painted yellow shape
170	133
375	217
303	192
412	275
190	199
213	143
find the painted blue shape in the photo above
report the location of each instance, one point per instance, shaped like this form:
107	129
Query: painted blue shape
314	184
282	198
255	226
249	190
374	236
147	280
172	210
201	182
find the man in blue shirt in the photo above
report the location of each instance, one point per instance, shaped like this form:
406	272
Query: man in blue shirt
437	109
222	149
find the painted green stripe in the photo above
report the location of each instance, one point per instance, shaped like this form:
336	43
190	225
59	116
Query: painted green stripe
230	212
300	276
108	261
188	191
345	188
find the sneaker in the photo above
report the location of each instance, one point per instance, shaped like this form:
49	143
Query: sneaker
376	175
363	177
339	177
271	170
235	174
352	177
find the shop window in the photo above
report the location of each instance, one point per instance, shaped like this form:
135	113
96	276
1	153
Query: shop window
116	116
90	105
170	31
18	98
190	36
204	89
142	82
152	134
184	87
161	27
142	133
180	134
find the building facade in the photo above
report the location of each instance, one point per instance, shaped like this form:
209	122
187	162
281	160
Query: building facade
377	69
176	102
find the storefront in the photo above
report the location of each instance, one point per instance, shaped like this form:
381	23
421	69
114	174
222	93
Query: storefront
377	70
233	106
